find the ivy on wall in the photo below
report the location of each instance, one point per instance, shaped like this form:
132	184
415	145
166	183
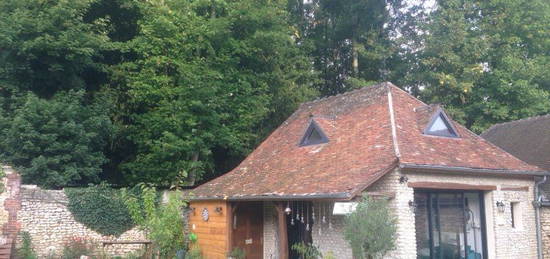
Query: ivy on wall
100	208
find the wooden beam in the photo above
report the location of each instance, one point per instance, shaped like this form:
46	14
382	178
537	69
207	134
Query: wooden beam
283	234
451	186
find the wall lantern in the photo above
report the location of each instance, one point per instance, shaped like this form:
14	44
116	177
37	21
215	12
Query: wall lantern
500	206
218	210
403	179
413	206
192	210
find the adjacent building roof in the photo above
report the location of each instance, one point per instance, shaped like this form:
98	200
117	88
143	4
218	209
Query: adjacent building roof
370	131
527	139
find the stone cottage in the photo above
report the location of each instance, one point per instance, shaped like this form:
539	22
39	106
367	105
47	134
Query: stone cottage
529	140
453	193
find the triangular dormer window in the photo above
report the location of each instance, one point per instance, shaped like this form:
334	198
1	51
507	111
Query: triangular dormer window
441	126
314	135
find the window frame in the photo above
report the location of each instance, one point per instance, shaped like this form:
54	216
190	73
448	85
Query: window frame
441	114
313	126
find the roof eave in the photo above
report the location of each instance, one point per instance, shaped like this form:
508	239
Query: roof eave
327	196
456	169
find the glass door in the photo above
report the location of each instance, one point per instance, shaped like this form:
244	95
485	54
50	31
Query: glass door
449	225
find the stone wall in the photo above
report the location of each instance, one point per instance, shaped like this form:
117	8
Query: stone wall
328	236
503	241
406	235
45	216
3	196
545	225
271	236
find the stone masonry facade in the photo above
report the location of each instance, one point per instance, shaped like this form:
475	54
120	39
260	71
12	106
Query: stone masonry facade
45	216
503	241
326	236
271	236
545	226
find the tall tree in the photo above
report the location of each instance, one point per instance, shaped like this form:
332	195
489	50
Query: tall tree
208	79
47	47
486	61
58	142
51	67
349	40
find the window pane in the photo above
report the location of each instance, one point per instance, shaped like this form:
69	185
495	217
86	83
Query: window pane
422	226
450	227
474	236
440	128
314	137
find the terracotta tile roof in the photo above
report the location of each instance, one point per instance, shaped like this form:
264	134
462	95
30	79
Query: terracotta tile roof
362	147
527	139
469	150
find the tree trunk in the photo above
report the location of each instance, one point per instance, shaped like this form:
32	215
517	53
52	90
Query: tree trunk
355	57
192	174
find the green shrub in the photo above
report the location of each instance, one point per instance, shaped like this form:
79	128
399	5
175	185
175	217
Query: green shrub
194	253
26	251
76	247
306	251
237	253
100	208
370	229
329	255
162	223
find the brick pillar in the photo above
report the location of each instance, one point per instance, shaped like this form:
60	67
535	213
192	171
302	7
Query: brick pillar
12	205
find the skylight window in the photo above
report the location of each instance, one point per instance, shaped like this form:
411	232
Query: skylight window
440	126
313	136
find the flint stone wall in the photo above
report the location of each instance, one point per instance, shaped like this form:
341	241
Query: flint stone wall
44	214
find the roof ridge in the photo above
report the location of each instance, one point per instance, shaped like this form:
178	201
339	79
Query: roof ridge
390	84
536	117
392	122
320	99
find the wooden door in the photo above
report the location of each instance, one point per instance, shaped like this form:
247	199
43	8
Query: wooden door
248	229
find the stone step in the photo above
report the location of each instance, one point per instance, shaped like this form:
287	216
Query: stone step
5	252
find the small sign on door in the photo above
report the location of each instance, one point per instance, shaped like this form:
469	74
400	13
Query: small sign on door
248	241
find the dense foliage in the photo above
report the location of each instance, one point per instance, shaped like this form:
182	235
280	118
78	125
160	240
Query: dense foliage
162	222
306	251
207	77
486	61
177	92
349	40
100	208
370	229
53	129
59	141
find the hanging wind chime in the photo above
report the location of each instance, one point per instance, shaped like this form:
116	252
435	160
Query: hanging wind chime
297	212
329	217
324	214
292	216
288	209
307	217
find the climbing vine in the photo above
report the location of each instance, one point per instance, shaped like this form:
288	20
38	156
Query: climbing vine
100	208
